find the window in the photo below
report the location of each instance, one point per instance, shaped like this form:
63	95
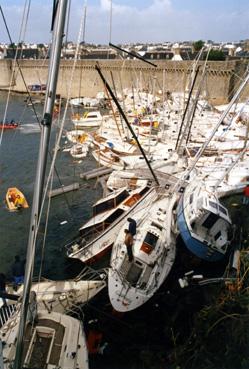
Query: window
157	226
217	235
117	213
151	239
222	210
210	220
213	204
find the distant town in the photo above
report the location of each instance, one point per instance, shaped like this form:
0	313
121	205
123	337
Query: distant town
162	51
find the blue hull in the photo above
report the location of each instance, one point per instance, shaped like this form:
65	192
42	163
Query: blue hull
197	247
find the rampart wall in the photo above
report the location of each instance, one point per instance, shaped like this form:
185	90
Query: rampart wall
221	78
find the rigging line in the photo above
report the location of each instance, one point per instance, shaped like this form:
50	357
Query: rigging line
19	67
126	121
45	233
186	108
13	72
57	143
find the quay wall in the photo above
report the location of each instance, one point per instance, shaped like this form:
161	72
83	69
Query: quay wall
220	81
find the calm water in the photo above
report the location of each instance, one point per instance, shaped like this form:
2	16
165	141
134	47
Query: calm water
18	155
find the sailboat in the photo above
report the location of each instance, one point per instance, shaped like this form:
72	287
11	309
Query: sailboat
132	283
203	222
59	296
33	337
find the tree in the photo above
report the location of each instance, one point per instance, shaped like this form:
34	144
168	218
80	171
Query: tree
12	45
198	45
216	55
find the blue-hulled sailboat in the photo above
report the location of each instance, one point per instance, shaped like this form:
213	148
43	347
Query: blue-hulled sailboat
203	222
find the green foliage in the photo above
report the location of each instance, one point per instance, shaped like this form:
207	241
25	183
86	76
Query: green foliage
198	45
12	45
216	55
220	334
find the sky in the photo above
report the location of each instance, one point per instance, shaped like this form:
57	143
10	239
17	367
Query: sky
130	21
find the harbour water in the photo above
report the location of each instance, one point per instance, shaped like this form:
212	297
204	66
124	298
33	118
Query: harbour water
18	154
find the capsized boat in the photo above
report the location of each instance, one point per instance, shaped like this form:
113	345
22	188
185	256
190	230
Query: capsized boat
203	222
60	296
131	284
109	214
15	199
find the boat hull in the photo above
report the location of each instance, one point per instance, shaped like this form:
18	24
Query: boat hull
198	248
11	195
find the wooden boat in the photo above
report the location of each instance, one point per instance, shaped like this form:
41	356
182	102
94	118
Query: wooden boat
15	199
9	125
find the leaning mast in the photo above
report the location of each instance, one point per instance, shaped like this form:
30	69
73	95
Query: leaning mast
58	23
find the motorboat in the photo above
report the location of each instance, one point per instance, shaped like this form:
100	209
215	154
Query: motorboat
132	283
109	214
88	119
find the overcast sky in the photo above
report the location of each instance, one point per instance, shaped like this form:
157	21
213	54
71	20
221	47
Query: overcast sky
132	20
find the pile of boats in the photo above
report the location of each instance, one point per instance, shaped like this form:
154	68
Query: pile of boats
173	165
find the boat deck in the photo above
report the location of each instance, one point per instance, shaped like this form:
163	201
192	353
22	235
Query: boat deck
41	346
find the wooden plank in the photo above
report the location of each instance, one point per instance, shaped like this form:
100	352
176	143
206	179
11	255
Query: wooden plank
94	173
64	189
91	171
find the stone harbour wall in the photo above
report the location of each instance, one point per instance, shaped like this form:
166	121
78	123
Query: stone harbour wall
218	84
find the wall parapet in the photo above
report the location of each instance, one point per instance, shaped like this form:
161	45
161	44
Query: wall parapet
221	76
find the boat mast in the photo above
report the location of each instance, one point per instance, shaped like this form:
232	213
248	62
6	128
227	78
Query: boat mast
127	123
58	23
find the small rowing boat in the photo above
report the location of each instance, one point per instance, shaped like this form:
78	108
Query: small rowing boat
15	199
9	125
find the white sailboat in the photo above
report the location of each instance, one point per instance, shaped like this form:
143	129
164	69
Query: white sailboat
203	222
60	296
131	284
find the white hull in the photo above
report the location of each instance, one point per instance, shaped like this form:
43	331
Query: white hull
58	340
62	296
131	284
107	237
